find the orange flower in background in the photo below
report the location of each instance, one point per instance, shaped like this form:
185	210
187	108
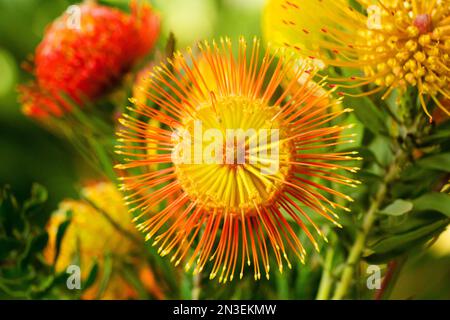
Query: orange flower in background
100	225
84	53
395	43
228	214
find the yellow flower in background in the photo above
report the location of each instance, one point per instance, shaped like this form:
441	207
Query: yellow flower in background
92	234
222	215
396	43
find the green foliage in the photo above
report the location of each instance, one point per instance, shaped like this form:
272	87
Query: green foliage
439	162
433	201
369	114
23	271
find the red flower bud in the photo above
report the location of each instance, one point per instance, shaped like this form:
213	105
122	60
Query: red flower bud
84	53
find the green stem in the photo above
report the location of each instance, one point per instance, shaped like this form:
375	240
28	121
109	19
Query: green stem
326	282
196	286
369	219
401	158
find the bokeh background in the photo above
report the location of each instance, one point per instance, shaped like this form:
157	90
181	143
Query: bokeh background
30	154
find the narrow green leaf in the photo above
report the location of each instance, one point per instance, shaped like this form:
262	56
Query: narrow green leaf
38	196
105	160
369	114
106	274
440	162
62	228
402	241
433	201
438	137
398	208
92	276
170	45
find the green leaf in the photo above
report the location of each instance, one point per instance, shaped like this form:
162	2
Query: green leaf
440	134
433	201
369	114
102	155
440	162
38	196
62	228
381	258
398	208
92	276
366	154
438	137
106	275
401	241
170	45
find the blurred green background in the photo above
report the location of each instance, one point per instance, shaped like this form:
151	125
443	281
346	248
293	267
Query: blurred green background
30	154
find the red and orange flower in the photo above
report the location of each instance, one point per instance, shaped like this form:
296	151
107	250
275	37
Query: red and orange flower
225	215
84	53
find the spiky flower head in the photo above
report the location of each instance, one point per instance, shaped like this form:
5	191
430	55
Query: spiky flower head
84	53
396	43
201	198
98	227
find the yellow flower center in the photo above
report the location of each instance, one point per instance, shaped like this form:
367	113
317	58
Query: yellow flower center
235	155
408	49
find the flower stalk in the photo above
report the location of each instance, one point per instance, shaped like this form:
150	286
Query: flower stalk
196	286
400	160
368	222
326	282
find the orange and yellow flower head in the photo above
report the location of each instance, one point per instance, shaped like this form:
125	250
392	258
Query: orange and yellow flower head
395	43
98	227
84	53
221	207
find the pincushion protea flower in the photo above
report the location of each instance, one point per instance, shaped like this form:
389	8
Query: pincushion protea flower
230	212
82	56
93	233
399	43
